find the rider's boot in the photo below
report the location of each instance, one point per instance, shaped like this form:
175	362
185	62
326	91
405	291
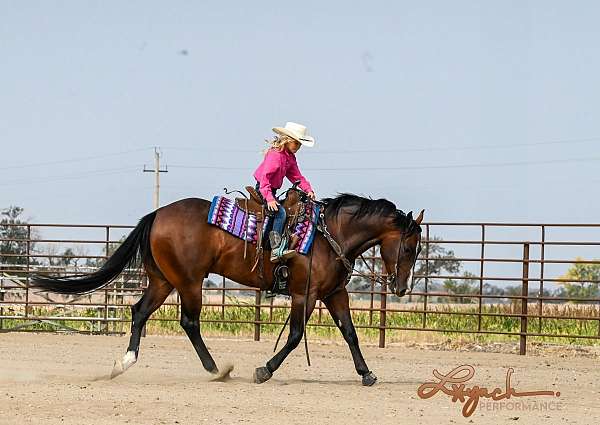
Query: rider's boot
278	248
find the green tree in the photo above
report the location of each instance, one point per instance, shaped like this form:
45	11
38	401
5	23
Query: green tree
13	239
581	280
112	247
360	283
464	286
440	261
67	258
130	278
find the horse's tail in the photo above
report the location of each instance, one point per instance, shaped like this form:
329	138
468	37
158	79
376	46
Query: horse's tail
134	249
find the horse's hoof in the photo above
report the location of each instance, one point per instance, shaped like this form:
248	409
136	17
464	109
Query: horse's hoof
119	367
369	379
261	374
223	374
117	370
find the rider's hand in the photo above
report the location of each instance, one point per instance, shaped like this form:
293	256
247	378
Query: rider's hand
312	195
272	205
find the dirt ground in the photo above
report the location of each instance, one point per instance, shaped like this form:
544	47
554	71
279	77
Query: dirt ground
62	379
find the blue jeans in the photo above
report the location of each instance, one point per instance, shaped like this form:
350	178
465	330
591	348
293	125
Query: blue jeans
279	220
280	216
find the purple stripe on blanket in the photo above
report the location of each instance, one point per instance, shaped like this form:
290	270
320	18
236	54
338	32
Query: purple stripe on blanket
240	223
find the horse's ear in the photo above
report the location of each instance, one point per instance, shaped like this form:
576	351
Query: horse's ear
419	218
409	216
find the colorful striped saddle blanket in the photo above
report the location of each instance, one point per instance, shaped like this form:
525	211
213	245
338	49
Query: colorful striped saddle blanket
225	214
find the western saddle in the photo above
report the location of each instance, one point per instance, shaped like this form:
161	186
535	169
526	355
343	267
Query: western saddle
254	204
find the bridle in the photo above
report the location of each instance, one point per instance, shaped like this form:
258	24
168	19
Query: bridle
390	279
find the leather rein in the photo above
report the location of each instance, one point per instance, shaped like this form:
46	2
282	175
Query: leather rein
350	266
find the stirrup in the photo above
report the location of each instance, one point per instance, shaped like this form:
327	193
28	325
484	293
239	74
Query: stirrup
277	256
288	253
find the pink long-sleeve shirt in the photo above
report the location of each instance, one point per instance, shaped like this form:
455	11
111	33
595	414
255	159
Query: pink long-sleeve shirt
275	166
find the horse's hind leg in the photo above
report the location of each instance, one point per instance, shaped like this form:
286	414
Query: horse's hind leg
191	305
156	293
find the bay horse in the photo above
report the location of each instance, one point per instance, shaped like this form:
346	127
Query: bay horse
178	248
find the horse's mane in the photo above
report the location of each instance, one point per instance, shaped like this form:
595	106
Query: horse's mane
365	207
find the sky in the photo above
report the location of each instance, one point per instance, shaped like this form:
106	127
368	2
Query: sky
471	110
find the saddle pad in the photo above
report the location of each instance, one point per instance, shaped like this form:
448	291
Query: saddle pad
225	214
306	229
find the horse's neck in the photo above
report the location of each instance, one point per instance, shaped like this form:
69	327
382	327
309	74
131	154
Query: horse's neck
356	236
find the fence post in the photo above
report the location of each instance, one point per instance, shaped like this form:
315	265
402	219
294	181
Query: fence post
481	263
257	315
382	315
372	279
524	294
541	291
106	297
426	277
28	270
2	303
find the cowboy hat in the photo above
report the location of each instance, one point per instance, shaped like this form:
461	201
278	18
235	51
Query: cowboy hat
296	132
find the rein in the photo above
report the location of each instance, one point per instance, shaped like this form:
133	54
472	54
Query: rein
306	288
390	278
322	227
306	301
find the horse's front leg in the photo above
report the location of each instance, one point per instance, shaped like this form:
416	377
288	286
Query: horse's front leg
339	307
263	374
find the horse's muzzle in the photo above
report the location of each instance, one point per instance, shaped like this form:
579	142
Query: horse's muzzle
399	289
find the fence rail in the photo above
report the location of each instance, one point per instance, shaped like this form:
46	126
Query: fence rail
462	284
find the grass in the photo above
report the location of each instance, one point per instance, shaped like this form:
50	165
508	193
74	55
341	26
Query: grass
229	321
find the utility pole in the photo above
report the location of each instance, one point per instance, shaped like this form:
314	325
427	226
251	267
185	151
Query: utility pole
156	172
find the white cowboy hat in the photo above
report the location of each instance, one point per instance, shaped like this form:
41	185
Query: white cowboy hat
296	132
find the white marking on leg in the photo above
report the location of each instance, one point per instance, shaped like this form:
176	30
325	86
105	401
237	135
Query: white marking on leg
129	360
119	367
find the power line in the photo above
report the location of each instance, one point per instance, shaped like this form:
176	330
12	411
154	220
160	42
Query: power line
71	176
410	167
186	149
63	161
472	147
319	152
411	149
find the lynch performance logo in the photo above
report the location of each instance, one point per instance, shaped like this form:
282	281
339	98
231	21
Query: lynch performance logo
454	385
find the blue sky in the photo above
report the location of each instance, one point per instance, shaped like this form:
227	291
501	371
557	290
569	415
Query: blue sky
471	110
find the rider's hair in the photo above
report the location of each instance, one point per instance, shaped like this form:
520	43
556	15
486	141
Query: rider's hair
278	142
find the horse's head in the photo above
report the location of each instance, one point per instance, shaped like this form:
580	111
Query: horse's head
400	248
366	222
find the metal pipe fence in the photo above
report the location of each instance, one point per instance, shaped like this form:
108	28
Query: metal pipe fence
511	280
